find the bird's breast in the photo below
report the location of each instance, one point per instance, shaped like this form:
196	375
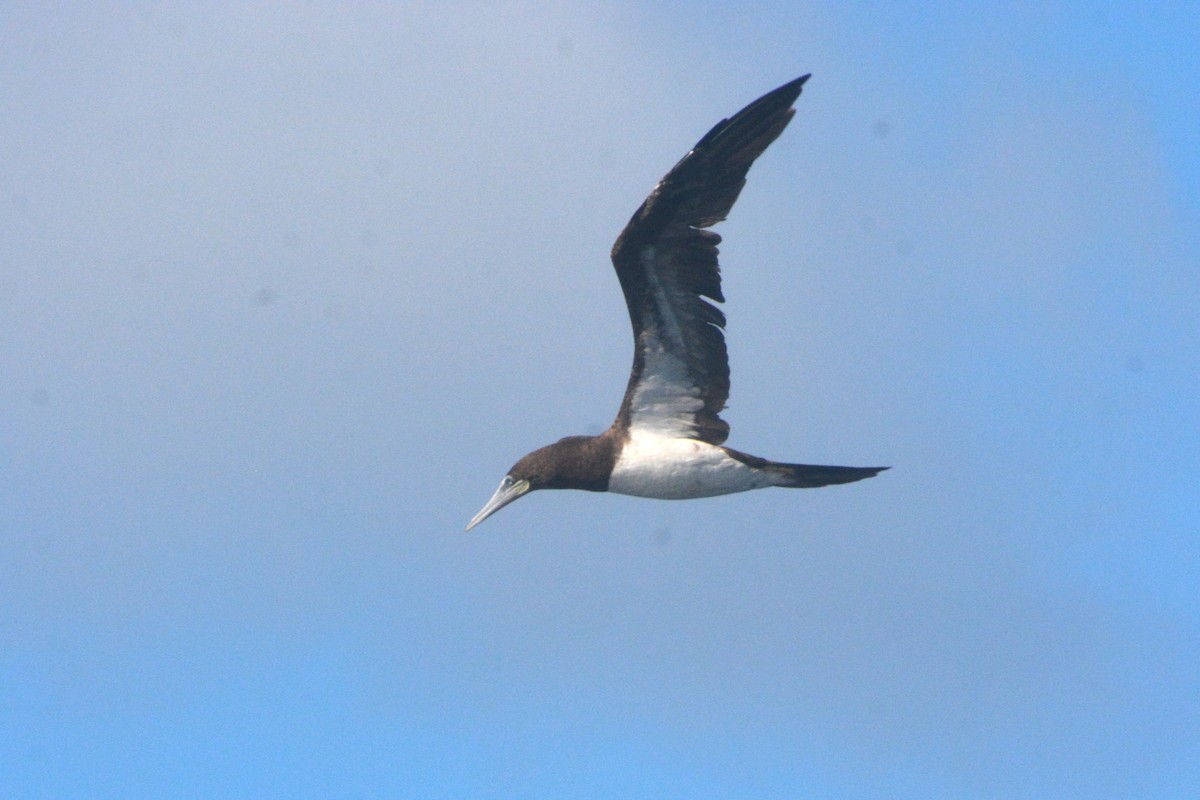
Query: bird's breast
669	468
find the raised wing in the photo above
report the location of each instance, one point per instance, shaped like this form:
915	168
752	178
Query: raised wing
667	265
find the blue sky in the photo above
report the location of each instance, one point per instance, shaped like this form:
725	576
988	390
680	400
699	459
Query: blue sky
284	292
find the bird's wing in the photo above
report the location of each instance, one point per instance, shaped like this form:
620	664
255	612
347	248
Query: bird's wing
667	264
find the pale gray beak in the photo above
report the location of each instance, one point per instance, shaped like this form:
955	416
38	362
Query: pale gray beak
509	490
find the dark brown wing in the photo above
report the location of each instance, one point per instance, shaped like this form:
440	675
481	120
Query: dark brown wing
667	265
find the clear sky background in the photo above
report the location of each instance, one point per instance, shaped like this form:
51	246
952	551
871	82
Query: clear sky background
284	291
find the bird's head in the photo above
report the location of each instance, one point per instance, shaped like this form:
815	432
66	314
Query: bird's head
510	489
576	462
531	472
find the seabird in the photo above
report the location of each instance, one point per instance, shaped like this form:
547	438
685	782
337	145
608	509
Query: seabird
668	438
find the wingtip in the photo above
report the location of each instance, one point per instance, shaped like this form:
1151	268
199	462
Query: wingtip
792	87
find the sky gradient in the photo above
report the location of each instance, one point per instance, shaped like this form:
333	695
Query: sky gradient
284	291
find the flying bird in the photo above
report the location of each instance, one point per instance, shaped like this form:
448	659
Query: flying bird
668	438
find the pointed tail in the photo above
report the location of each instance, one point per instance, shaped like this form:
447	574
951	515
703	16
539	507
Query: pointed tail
810	476
805	476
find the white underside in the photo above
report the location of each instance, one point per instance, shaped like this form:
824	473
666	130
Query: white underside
670	468
666	399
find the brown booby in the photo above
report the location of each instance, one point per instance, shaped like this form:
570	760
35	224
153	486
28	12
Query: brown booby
667	439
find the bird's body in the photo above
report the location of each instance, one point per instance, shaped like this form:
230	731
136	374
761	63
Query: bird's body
678	468
667	439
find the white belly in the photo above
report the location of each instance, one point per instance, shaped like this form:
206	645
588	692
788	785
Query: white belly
652	465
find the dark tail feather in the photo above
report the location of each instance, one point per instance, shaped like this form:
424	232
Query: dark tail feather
810	476
805	476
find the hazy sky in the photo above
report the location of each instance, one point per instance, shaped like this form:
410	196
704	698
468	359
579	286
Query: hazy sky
284	291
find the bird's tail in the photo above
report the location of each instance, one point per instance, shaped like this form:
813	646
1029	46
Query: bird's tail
805	476
810	476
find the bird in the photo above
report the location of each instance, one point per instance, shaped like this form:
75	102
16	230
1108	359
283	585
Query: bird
667	441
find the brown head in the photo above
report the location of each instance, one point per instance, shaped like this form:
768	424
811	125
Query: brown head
576	462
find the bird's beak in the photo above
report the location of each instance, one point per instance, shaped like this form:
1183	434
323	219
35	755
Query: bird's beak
509	490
